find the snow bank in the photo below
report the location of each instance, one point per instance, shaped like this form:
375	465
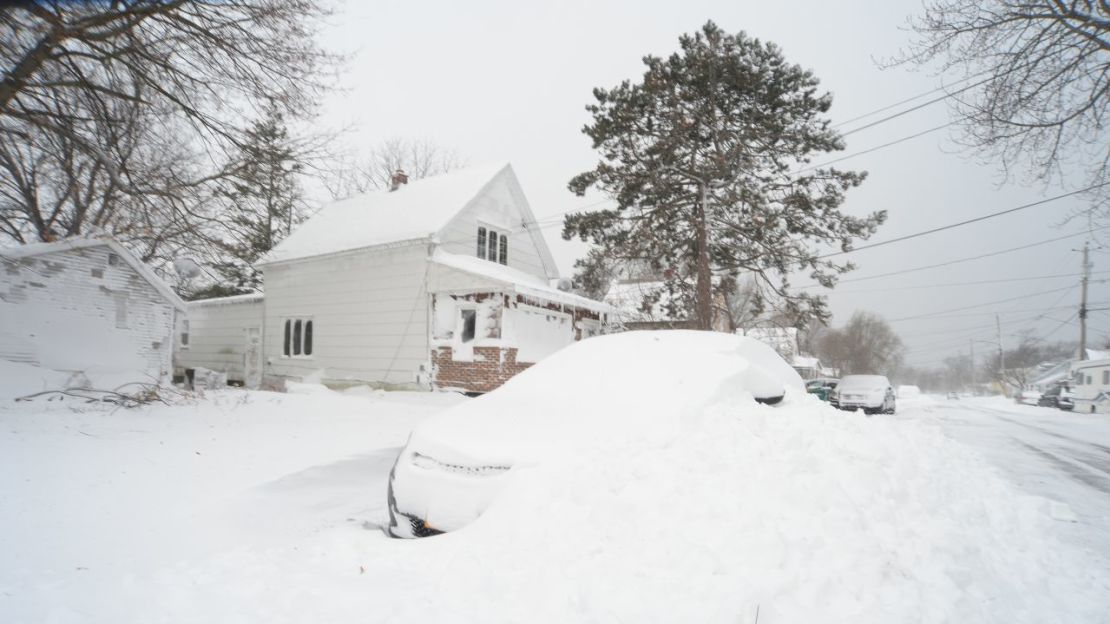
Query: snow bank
802	513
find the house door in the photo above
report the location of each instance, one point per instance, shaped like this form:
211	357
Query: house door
252	356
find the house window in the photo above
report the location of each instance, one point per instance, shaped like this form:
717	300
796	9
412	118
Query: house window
1088	380
469	318
298	338
113	259
492	254
121	310
184	334
493	245
1106	377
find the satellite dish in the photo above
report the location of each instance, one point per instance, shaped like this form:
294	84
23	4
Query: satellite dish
186	267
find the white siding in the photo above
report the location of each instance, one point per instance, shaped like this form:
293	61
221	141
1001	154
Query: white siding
217	334
73	310
369	310
500	205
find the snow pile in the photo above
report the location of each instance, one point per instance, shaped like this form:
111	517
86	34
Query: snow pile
802	513
799	512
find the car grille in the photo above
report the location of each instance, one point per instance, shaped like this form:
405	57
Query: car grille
426	462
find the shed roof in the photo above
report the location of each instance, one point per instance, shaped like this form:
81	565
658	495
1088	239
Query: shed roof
414	212
83	242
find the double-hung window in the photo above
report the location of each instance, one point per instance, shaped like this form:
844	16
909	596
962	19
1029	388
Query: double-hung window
493	245
298	337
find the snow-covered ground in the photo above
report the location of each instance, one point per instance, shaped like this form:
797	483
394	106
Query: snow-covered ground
1061	456
260	507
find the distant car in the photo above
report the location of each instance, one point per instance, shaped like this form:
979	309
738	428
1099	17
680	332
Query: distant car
954	396
1027	397
1059	397
907	391
870	393
640	385
822	387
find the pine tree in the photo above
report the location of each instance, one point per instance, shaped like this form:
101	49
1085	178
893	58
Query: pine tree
264	200
699	157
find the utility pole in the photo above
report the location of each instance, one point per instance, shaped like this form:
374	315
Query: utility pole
1001	354
971	345
1083	305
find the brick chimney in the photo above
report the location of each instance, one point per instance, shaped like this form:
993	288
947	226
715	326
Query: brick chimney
399	178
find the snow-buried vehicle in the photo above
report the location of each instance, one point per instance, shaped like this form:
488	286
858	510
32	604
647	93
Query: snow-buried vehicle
621	386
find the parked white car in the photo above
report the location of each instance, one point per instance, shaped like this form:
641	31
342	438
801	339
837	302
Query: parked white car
622	387
1027	397
870	393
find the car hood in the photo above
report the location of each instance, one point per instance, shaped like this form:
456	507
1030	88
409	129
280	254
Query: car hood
616	388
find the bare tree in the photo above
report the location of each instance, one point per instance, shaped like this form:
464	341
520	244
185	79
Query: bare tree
112	113
865	345
418	158
1035	81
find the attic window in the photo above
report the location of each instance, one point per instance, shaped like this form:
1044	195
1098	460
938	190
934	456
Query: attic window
113	259
493	245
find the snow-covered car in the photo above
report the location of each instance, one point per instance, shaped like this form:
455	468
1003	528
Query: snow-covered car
870	393
624	388
1059	396
822	387
1027	397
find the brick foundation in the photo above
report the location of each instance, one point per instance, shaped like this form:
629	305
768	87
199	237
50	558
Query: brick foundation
492	366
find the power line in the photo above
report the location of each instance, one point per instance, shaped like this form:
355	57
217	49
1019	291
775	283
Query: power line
910	99
963	223
978	305
962	260
974	283
874	149
922	105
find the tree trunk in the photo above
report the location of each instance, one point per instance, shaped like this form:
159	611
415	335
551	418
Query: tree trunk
704	294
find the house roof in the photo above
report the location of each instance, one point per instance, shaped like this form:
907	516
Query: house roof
82	242
521	282
414	212
230	300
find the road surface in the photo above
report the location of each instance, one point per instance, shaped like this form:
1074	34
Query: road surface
1062	456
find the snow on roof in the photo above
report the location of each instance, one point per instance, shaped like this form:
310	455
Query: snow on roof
231	300
522	283
83	242
627	298
1097	354
415	211
805	361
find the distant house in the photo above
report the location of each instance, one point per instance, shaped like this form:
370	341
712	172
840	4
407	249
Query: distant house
444	282
1091	385
784	340
89	307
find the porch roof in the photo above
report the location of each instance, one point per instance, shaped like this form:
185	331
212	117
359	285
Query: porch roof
486	274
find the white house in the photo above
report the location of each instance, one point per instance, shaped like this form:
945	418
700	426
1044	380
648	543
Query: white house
89	307
442	283
1091	385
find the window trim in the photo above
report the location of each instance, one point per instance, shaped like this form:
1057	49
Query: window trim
297	333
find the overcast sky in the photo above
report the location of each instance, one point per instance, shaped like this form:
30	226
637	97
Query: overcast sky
509	81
